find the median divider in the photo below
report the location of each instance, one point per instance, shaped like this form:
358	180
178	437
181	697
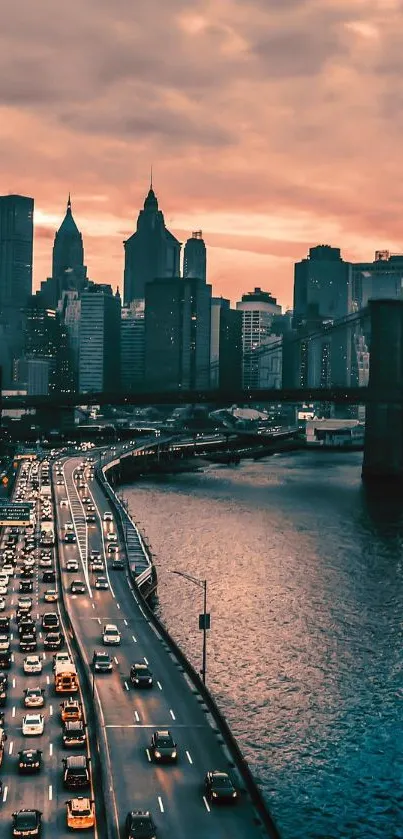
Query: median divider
100	763
237	758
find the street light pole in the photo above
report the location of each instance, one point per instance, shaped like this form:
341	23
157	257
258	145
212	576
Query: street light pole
204	619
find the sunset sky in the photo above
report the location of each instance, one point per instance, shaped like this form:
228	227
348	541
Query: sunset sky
272	125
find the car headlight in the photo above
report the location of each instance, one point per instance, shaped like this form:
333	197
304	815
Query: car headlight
214	795
234	794
173	754
157	754
150	681
137	681
21	765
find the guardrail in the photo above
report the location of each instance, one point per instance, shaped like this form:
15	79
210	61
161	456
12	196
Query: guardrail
101	774
199	689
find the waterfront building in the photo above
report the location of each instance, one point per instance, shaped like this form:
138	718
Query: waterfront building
132	346
258	310
99	350
225	345
151	252
194	257
177	334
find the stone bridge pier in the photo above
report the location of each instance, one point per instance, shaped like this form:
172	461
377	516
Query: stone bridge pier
383	442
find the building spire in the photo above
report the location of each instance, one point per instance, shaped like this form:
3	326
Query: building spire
151	177
69	203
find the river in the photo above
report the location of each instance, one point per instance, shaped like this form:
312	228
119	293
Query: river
305	590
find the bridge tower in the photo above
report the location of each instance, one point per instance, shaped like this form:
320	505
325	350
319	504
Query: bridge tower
383	442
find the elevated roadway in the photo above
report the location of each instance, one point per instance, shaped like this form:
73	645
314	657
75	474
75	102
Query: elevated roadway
173	793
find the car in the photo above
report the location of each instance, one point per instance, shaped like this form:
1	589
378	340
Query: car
95	555
72	565
112	549
64	502
50	620
69	527
73	733
90	518
219	787
27	823
24	603
28	643
4	623
70	538
26	625
53	641
29	761
107	516
59	657
3	689
140	675
8	568
27	573
90	508
117	565
80	813
49	577
34	697
3	590
111	635
76	772
78	587
4	642
5	659
32	664
29	562
163	747
140	825
25	586
33	725
59	482
97	565
45	562
71	709
101	583
111	537
50	595
2	604
102	662
86	499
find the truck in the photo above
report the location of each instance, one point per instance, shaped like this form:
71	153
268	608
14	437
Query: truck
66	678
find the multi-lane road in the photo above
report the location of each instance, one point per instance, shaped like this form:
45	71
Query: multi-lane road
173	793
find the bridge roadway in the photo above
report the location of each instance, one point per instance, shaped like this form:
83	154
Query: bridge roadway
44	791
173	793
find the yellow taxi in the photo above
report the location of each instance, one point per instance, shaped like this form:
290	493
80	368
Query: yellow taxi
71	709
80	813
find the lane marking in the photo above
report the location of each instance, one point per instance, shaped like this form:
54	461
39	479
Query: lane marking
159	685
93	605
44	656
118	605
145	660
206	804
115	660
188	757
13	712
126	686
161	804
50	792
148	755
50	710
136	716
10	748
13	683
134	639
172	714
99	621
5	794
47	680
125	621
50	749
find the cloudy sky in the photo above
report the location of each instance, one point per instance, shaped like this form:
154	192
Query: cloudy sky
272	125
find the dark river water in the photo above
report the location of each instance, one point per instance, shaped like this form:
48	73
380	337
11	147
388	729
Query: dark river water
305	590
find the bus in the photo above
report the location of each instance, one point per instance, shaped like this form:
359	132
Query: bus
66	679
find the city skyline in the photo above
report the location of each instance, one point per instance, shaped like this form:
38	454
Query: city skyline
256	125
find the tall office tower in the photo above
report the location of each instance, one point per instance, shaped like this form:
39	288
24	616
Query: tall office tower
382	278
177	334
323	294
68	269
151	252
132	346
258	310
16	247
194	258
69	309
99	361
225	346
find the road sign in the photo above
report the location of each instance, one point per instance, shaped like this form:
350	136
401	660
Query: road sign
15	515
204	621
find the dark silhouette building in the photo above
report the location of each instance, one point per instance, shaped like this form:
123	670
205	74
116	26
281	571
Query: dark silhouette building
68	269
45	364
177	334
225	345
194	258
99	352
151	252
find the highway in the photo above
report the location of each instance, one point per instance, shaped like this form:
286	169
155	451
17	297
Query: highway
173	793
43	791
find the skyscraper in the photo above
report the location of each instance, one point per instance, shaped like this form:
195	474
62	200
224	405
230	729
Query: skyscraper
132	346
99	361
151	252
258	310
382	278
225	345
194	259
68	269
177	334
16	247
